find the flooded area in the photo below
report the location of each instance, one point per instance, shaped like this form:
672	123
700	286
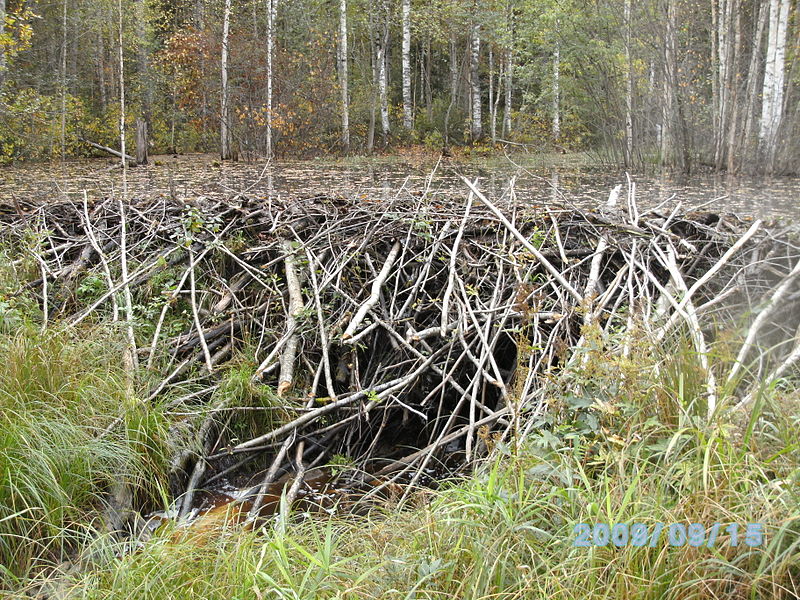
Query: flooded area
561	180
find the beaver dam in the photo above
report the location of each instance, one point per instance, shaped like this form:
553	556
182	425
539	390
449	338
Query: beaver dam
395	339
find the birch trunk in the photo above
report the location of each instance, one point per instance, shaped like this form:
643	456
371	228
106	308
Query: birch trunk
772	91
557	93
476	127
272	13
383	75
492	104
343	75
509	67
408	117
225	142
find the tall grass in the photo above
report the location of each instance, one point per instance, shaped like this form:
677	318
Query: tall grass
59	393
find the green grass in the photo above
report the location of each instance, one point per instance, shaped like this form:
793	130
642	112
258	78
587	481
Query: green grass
58	395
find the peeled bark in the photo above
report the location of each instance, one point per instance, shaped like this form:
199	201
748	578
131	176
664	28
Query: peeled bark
408	117
224	132
343	74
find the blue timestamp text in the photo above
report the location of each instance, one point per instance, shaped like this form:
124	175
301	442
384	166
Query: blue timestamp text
586	535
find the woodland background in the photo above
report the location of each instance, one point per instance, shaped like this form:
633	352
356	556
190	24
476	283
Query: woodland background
677	83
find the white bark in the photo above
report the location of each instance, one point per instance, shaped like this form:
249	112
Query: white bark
774	74
557	93
272	13
408	117
225	142
492	103
383	81
474	81
343	74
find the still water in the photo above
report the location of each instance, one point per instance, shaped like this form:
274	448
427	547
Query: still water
562	181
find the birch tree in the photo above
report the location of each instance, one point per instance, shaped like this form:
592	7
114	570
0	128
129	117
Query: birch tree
509	67
557	92
343	74
476	127
225	141
383	84
272	13
408	117
774	75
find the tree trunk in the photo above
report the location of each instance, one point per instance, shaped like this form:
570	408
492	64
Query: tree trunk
272	13
145	86
492	104
724	77
64	80
751	92
673	144
476	127
408	115
509	88
774	73
141	141
557	92
509	60
453	88
343	75
383	76
628	88
373	53
224	132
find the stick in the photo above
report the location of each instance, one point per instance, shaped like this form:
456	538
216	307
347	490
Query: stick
376	291
295	307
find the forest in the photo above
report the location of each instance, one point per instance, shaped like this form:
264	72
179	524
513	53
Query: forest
684	84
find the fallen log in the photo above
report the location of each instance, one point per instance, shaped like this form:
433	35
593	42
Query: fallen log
108	150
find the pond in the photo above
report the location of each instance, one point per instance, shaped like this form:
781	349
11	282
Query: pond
537	180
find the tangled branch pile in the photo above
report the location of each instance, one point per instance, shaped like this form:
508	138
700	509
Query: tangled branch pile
401	331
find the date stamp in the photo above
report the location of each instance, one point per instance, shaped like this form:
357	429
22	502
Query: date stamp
586	535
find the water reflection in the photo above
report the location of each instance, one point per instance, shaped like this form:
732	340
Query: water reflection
198	175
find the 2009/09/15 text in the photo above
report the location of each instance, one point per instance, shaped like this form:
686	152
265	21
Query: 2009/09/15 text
675	534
